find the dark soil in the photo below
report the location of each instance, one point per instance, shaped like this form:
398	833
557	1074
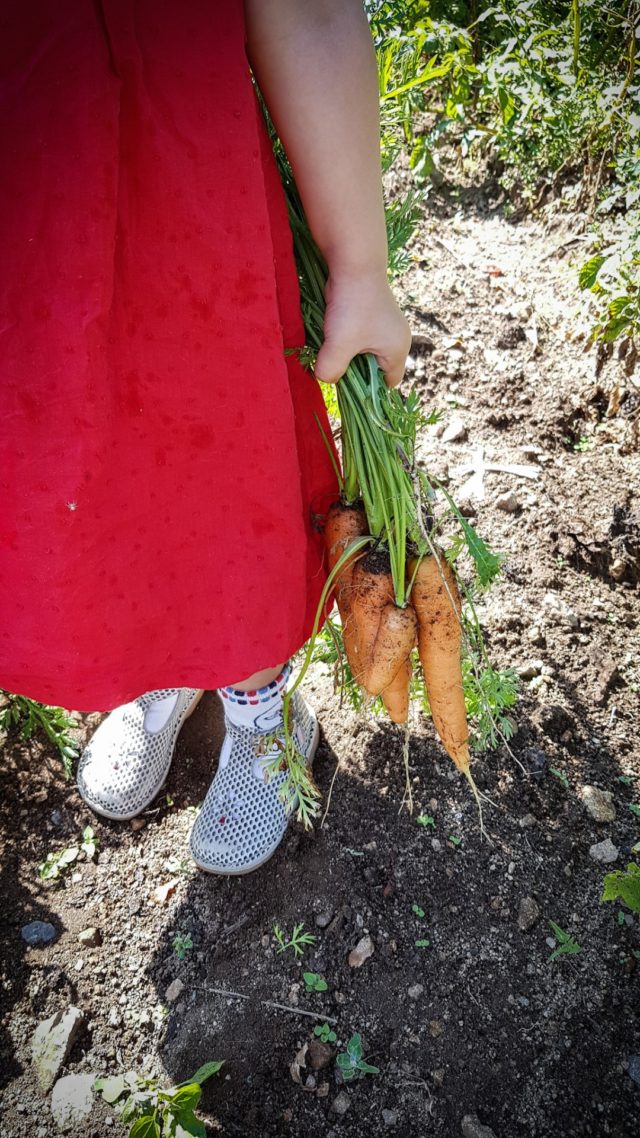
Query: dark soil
480	1020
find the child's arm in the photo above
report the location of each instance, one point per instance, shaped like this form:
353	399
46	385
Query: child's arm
315	63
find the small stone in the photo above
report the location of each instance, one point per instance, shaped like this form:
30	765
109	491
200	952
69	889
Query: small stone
598	803
560	611
604	852
530	669
436	844
323	1091
134	905
634	1069
56	819
528	914
536	761
91	937
174	991
363	950
52	1042
319	1055
389	1117
322	920
455	432
438	1076
473	1128
72	1100
415	991
137	824
617	569
550	941
527	821
115	1018
37	933
341	1103
507	502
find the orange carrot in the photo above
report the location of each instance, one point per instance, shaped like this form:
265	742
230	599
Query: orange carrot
344	523
436	601
394	642
372	590
396	694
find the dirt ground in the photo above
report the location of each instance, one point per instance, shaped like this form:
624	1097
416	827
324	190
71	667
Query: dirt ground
478	1021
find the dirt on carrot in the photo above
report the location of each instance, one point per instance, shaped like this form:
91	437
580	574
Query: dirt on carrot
393	645
372	591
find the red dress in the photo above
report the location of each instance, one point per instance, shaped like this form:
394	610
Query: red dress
161	463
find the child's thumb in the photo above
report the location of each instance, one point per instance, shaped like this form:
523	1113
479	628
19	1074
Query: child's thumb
332	361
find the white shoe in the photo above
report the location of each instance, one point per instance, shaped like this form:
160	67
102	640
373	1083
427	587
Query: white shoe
243	819
125	764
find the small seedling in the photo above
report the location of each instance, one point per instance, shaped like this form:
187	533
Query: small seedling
560	775
351	1062
455	840
583	444
314	982
634	809
419	912
182	944
425	820
89	843
422	943
625	779
567	945
324	1032
298	941
620	917
153	1112
623	886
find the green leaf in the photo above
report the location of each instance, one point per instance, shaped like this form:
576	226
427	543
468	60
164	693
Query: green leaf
146	1127
344	1061
634	809
486	562
367	1069
186	1125
589	272
354	1046
187	1098
111	1087
624	886
205	1072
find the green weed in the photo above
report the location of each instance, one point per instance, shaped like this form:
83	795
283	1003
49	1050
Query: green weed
152	1112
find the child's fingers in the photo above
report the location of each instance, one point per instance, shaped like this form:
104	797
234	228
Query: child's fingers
333	360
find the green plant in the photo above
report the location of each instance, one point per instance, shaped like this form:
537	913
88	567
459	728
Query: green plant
425	820
153	1112
351	1062
56	865
182	944
455	840
422	943
583	444
567	945
623	885
32	718
560	775
297	942
324	1032
314	982
634	808
419	912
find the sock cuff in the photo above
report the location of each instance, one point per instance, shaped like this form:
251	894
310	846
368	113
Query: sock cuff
260	695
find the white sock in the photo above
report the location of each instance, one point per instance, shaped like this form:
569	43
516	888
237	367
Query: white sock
261	710
157	714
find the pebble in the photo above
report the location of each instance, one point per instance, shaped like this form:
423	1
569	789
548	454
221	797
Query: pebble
52	1042
115	1018
436	844
389	1117
363	950
598	803
530	669
415	991
634	1069
455	432
72	1100
560	610
473	1128
528	914
604	852
527	821
37	933
507	502
174	991
323	919
438	1076
56	818
319	1055
91	937
134	905
341	1103
535	635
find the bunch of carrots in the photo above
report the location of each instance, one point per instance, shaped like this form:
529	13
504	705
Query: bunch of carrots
394	587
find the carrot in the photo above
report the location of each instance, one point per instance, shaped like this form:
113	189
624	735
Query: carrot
394	642
372	590
343	524
396	694
436	601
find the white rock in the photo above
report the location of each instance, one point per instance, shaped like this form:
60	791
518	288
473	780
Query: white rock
561	611
415	991
341	1103
598	803
455	431
604	852
174	991
72	1100
363	950
52	1042
530	669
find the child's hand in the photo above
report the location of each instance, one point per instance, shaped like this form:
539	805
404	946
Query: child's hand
362	316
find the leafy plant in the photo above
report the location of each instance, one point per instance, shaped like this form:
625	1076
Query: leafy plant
351	1062
153	1112
425	820
324	1032
624	886
298	941
634	808
560	775
567	945
56	865
31	718
419	912
182	944
422	943
314	982
455	840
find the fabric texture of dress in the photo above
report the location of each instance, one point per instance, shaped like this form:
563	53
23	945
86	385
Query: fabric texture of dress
161	463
